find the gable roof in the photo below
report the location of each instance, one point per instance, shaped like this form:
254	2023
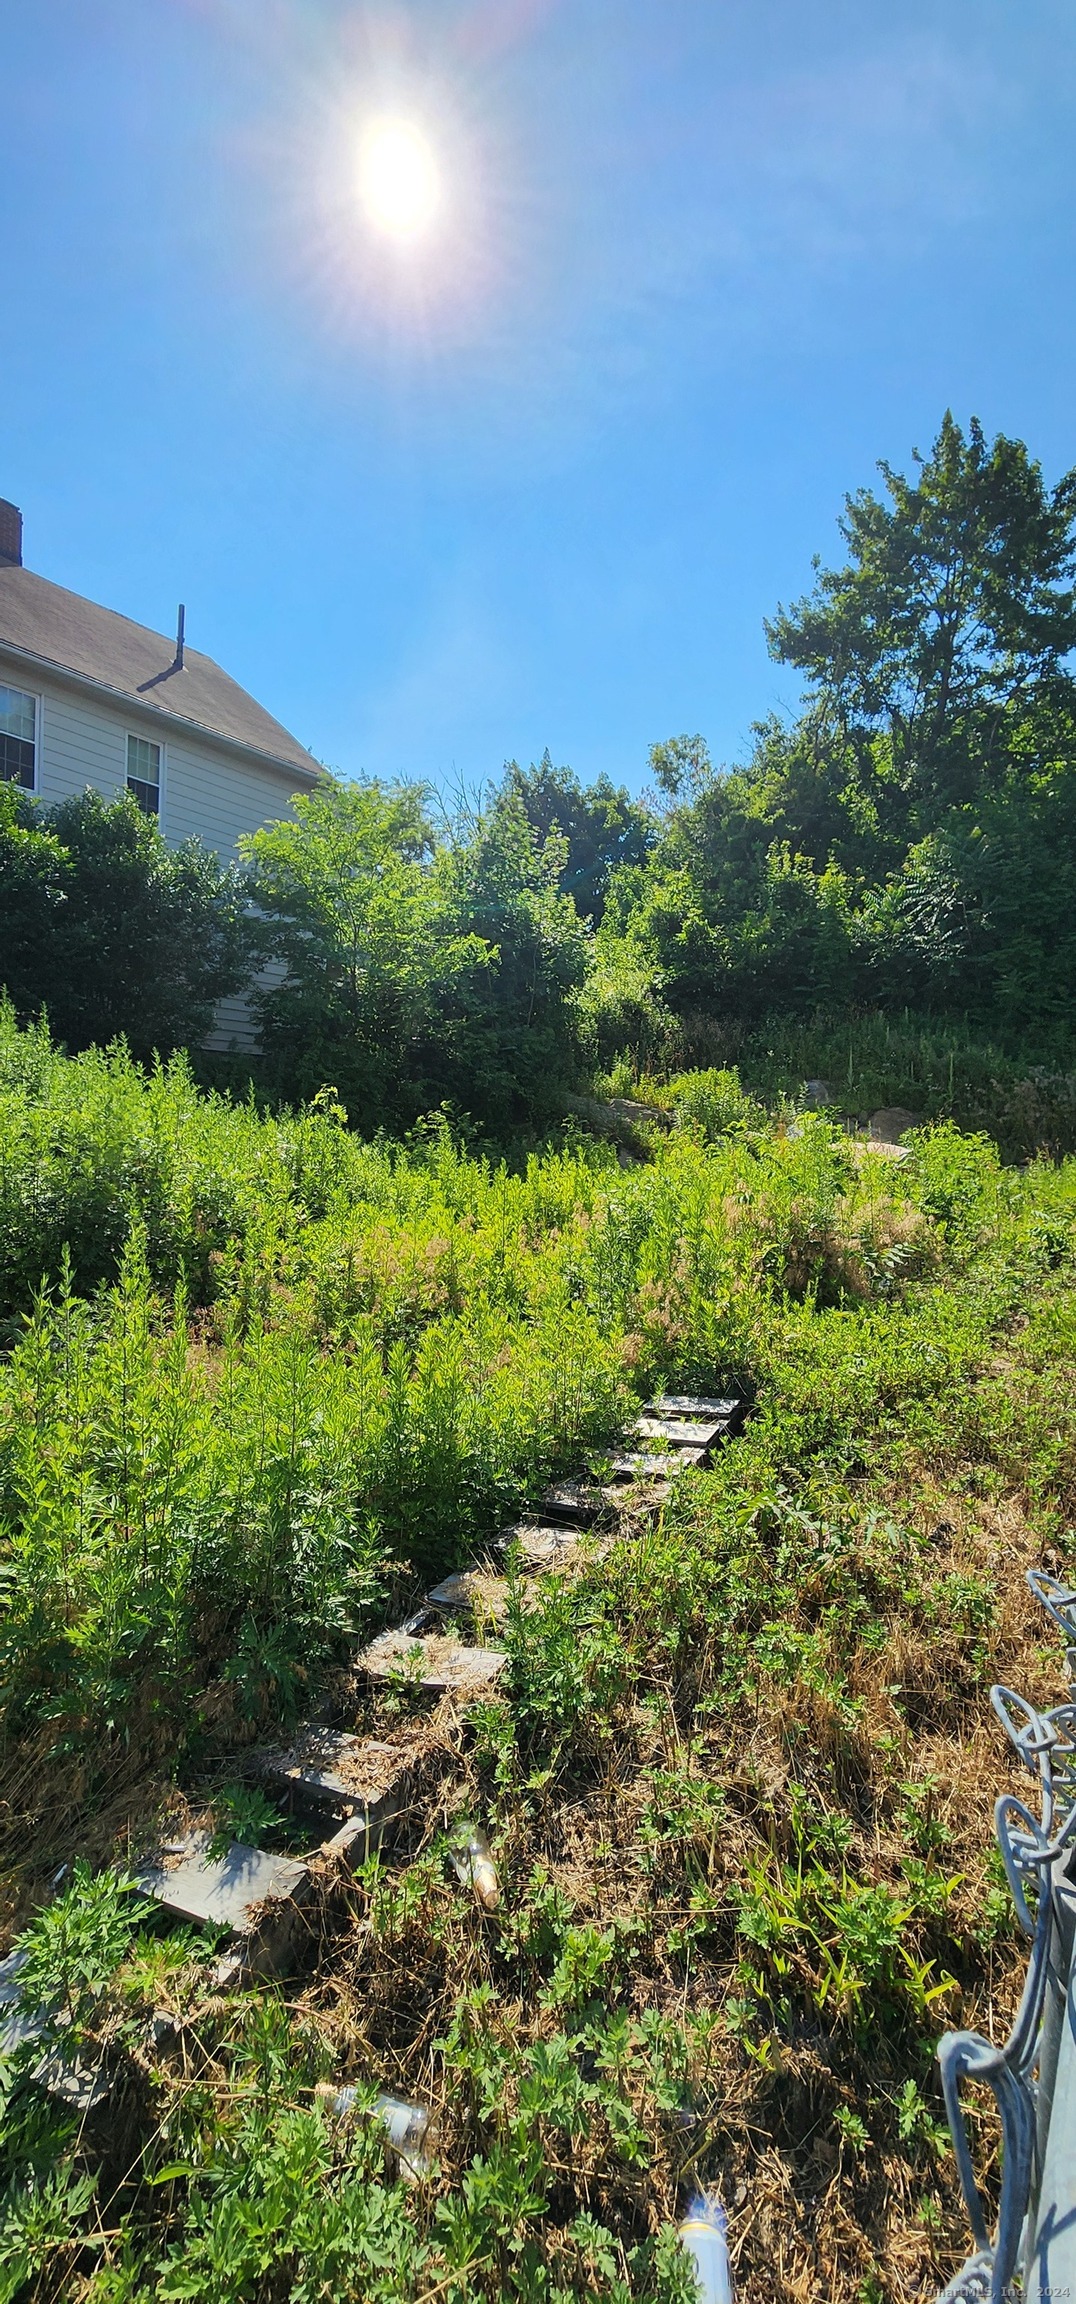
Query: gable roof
54	628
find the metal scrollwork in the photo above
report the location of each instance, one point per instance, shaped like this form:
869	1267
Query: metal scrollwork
1036	1851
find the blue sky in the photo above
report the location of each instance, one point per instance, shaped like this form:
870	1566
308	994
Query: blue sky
699	264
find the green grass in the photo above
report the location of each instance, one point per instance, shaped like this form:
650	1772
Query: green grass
259	1381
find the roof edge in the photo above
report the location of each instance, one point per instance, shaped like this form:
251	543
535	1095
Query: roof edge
175	719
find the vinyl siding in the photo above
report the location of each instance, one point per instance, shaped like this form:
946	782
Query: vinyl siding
215	796
207	792
78	743
233	1025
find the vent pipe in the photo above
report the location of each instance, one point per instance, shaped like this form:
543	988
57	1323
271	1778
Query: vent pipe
179	637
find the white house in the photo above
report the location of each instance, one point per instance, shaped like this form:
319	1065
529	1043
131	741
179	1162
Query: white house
88	697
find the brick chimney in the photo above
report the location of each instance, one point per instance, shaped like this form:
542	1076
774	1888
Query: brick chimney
10	535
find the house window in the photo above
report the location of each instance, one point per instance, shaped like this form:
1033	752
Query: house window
144	774
18	737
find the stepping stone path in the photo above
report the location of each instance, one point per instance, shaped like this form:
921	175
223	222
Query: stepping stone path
367	1785
683	1430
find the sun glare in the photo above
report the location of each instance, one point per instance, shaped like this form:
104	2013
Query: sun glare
398	179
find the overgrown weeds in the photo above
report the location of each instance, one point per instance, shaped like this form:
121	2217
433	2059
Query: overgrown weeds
739	1789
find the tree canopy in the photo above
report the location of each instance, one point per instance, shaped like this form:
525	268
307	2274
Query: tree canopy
956	604
602	827
909	836
906	839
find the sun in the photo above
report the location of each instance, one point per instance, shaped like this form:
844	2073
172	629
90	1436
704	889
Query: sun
399	182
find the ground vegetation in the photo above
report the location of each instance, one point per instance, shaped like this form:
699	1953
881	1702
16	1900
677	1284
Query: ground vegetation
260	1380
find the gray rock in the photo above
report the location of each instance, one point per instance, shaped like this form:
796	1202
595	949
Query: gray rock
640	1115
890	1123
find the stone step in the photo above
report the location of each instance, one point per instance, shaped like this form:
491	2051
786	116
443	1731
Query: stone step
476	1588
638	1492
351	1844
637	1466
439	1663
578	1501
248	1890
679	1431
16	2025
541	1548
727	1412
356	1776
76	2079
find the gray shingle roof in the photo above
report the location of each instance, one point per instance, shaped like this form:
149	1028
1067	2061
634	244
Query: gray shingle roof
57	627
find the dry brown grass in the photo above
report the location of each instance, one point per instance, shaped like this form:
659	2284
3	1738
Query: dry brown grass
383	1966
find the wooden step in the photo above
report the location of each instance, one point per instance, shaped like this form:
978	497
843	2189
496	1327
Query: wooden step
439	1663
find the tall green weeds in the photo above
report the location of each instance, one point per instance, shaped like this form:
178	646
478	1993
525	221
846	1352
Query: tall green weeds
738	1784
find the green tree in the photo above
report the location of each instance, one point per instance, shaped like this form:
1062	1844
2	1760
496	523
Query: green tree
112	931
956	602
34	874
512	1047
603	828
782	944
681	767
909	839
366	942
805	785
742	908
982	915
